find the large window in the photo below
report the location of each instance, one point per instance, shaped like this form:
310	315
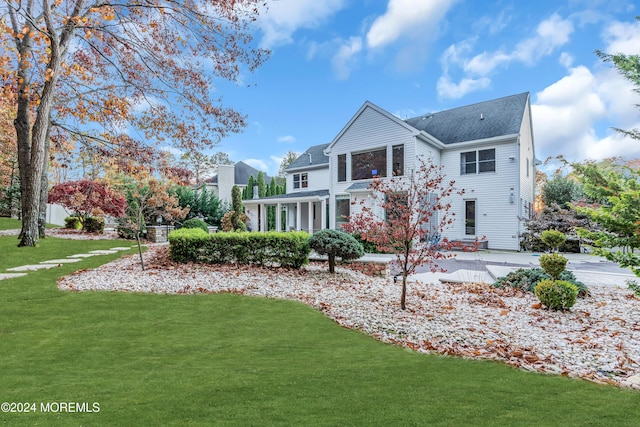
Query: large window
343	206
397	160
369	164
478	161
300	180
342	167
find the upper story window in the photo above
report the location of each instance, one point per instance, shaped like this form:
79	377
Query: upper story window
397	160
478	161
342	167
369	164
300	180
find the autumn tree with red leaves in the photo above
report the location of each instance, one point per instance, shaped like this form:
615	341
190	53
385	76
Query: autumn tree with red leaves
407	218
85	70
87	198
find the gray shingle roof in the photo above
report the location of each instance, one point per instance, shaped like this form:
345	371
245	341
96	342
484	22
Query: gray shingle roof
241	174
498	117
359	186
314	156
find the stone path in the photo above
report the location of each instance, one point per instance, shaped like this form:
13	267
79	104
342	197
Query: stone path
17	271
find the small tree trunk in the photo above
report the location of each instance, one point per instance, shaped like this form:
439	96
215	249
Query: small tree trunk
140	250
403	296
332	263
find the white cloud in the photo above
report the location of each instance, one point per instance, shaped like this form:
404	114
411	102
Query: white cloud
345	58
258	164
287	139
623	37
550	34
566	115
406	17
448	89
566	60
285	17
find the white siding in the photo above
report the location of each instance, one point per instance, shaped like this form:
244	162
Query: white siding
496	208
318	179
428	152
527	161
369	130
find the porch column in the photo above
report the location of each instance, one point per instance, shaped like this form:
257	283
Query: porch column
323	214
310	217
279	216
263	217
298	216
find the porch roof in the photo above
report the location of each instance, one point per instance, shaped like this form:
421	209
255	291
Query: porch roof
300	196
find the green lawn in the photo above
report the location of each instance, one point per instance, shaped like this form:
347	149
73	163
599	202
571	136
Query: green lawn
15	224
235	360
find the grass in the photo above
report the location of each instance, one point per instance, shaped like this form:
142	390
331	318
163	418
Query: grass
15	224
233	360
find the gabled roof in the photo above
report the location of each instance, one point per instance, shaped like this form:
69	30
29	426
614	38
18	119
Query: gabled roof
374	107
241	174
313	157
498	117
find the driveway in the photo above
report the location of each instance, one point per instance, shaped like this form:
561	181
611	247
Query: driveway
486	266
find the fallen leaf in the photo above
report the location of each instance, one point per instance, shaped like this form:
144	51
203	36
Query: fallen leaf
537	305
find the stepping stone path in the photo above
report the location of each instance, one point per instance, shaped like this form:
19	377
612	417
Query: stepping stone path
57	262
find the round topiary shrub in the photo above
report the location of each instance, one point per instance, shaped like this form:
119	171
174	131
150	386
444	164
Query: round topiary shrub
196	223
556	294
553	238
335	243
94	224
553	264
72	222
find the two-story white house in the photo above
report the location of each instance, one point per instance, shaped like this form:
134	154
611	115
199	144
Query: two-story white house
486	148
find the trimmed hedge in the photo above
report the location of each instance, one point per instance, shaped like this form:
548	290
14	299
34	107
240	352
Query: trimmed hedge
289	250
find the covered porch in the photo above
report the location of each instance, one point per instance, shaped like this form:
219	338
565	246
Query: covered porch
300	211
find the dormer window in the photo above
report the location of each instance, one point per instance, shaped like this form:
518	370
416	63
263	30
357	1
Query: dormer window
300	180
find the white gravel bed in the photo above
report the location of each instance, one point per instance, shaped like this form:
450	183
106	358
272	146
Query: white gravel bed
598	340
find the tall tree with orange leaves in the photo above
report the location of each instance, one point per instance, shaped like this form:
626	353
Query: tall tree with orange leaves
89	71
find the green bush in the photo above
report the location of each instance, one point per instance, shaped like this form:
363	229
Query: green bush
72	222
553	239
335	243
556	294
527	279
289	250
196	223
553	264
94	224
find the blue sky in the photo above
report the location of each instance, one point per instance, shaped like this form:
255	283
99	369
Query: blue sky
413	57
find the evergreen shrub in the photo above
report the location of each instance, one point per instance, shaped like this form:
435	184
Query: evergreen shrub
196	223
289	250
94	224
72	222
553	264
527	279
556	294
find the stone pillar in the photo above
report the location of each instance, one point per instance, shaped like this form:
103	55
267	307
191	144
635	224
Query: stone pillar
159	233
